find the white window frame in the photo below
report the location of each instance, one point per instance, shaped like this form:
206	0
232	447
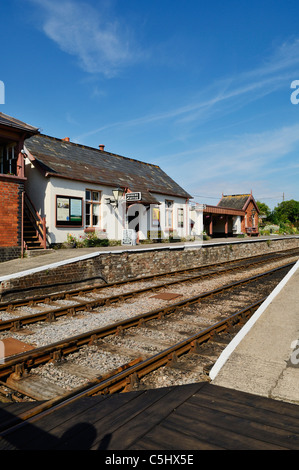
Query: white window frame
181	213
168	214
92	203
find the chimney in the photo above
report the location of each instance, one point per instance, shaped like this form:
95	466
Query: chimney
101	147
66	139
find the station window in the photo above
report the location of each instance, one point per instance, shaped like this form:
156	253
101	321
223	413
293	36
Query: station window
68	211
180	218
8	159
92	208
168	213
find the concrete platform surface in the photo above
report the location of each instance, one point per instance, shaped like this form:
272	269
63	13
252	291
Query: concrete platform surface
263	358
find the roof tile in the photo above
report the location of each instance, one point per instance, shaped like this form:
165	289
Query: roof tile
74	161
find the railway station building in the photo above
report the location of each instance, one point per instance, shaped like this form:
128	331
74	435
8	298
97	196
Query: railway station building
53	190
234	215
80	191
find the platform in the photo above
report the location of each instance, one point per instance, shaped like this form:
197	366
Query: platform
263	358
55	258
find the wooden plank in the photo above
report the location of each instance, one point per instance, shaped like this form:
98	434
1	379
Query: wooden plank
9	414
47	432
162	438
277	406
40	432
138	425
17	407
39	388
251	411
106	425
195	416
219	428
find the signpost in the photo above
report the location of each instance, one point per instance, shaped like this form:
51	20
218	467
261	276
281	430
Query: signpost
129	237
133	197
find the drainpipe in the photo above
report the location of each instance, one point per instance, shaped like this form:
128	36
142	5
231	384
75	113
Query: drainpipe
22	227
187	218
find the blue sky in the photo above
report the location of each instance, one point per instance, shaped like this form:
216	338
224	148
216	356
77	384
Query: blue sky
201	89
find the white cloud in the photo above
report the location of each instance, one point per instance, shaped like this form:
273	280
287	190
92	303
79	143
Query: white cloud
265	162
100	43
243	153
224	96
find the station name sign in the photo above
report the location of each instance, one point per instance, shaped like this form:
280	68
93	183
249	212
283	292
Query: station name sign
133	197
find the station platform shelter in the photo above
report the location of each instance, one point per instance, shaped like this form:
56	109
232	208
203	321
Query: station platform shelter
234	215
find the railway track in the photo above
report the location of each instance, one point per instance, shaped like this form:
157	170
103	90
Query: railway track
72	302
21	371
126	377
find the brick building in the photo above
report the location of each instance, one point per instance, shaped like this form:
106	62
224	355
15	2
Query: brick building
233	215
12	179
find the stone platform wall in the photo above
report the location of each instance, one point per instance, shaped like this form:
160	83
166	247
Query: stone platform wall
118	266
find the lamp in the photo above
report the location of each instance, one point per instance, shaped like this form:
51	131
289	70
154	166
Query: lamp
117	194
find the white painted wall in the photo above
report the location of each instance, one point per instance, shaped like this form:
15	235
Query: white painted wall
111	218
237	224
35	187
43	192
196	214
178	203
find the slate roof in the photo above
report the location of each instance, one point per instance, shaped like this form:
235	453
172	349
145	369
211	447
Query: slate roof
236	201
16	123
69	160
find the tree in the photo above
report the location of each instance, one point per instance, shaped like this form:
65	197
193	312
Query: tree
286	211
264	209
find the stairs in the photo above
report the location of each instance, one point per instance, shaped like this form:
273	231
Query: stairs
34	227
31	240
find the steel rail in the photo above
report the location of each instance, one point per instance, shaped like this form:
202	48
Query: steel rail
19	364
76	292
120	379
51	314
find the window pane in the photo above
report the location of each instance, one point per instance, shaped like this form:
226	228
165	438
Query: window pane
168	213
87	214
180	217
95	214
95	196
87	195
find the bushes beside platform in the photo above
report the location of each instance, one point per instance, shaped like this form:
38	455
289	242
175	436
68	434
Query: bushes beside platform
281	229
87	241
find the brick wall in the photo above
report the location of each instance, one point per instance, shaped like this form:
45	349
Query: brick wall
10	216
249	218
112	267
